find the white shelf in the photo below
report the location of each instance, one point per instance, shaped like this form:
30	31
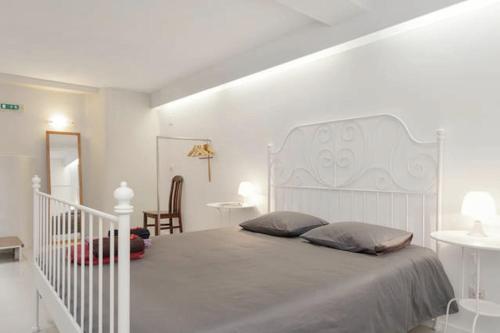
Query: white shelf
225	208
461	238
229	205
485	308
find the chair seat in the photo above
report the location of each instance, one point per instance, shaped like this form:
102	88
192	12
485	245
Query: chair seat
164	226
163	214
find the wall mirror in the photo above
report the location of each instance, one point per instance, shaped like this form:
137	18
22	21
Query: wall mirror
64	170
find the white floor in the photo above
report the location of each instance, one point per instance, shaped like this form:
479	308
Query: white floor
17	299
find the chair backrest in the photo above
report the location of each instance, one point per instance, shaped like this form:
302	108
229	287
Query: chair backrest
174	202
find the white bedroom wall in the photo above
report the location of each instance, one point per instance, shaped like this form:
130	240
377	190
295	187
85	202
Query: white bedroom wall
22	149
15	197
130	129
439	75
23	133
94	150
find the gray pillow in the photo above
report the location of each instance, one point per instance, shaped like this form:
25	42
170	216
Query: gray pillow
284	224
359	237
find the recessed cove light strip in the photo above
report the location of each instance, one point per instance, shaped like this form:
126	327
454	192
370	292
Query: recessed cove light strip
424	20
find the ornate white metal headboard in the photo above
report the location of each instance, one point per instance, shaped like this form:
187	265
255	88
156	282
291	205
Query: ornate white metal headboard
368	169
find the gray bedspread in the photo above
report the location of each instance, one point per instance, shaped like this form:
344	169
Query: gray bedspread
229	280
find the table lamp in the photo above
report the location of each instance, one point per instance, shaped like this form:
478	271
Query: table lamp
246	190
479	206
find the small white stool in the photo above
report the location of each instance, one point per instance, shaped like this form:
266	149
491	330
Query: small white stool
13	243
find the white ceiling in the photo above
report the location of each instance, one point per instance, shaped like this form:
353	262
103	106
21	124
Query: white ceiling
138	45
149	45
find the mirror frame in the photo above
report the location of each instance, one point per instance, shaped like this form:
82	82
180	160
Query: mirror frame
47	151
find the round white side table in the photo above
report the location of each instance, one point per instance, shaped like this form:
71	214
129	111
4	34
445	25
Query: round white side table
479	307
228	207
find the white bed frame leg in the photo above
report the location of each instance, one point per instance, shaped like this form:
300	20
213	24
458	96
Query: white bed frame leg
36	328
123	209
434	324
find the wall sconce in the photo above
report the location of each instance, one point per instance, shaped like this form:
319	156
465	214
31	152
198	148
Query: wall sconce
60	122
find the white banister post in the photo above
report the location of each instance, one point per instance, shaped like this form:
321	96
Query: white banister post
123	209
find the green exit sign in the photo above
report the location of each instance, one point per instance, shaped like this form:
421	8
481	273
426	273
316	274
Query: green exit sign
10	107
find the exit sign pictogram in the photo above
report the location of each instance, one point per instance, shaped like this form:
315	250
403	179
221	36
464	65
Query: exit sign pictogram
10	107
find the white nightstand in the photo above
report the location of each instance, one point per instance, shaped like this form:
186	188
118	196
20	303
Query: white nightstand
475	305
228	207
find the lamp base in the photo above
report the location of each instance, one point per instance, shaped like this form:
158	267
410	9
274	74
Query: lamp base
477	230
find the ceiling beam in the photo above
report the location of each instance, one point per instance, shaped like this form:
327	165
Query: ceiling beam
329	12
24	81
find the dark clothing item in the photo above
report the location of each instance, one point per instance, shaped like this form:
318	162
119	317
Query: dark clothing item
141	232
136	245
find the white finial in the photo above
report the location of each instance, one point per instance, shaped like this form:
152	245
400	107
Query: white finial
36	182
440	134
123	195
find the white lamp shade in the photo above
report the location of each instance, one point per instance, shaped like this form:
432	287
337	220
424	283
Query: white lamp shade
246	189
479	205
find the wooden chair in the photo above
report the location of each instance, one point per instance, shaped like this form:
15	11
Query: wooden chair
174	210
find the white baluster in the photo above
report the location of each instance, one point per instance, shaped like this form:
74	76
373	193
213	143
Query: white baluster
112	278
45	235
82	270
39	231
51	243
75	273
58	247
68	259
42	234
62	245
100	289
91	272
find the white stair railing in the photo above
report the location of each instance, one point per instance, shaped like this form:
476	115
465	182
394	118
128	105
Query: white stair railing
63	240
